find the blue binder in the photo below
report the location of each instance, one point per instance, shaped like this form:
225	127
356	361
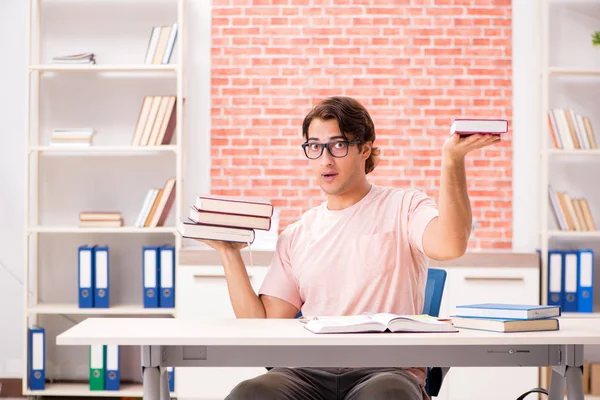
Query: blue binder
555	277
585	287
86	276
37	358
102	278
571	280
171	375
167	277
151	276
112	376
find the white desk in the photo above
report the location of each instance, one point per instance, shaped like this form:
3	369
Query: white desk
273	342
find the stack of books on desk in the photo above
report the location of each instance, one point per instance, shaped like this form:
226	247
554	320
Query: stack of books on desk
507	317
226	218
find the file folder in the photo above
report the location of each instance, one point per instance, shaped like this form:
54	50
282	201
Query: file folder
86	276
37	358
101	287
555	280
97	366
167	277
571	281
585	287
113	376
171	377
151	276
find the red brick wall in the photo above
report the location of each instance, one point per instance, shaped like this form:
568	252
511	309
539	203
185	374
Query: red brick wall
415	64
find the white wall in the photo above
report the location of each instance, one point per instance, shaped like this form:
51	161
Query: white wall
12	156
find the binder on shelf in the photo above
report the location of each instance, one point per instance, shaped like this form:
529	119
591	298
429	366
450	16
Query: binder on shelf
571	281
37	358
167	277
555	279
112	376
171	377
585	285
151	276
97	366
86	276
101	287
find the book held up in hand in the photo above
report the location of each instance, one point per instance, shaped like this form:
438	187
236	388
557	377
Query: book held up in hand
380	322
469	126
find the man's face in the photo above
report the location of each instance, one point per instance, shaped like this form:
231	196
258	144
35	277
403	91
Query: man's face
335	175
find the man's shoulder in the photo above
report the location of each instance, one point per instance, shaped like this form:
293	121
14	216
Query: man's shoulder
399	194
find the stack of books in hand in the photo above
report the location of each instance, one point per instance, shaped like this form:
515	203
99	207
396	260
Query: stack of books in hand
507	317
100	219
226	218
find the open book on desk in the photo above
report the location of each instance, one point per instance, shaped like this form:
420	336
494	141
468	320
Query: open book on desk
380	322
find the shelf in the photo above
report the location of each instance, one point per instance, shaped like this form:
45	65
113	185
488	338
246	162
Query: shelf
82	389
120	309
77	229
104	68
103	150
567	234
585	152
591	315
574	71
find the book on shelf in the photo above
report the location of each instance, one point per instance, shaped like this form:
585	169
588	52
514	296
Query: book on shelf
469	126
156	121
103	219
72	137
161	44
570	130
377	322
80	58
157	205
570	213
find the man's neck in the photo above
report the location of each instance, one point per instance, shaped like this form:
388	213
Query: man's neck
351	197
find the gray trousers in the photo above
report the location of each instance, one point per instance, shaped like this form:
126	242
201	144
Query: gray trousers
329	384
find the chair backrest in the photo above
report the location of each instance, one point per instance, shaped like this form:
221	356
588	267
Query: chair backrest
436	279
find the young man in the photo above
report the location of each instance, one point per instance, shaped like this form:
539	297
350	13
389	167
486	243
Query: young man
365	249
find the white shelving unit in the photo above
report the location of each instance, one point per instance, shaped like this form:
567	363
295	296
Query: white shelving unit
110	93
566	28
569	73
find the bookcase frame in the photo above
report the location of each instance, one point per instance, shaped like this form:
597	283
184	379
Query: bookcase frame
549	155
34	150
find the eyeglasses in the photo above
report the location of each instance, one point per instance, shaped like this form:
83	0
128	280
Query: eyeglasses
337	148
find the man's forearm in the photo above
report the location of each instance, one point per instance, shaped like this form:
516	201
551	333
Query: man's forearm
245	302
455	219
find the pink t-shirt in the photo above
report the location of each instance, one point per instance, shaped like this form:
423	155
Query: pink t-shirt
365	258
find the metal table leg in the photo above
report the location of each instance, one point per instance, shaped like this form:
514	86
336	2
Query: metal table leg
557	383
165	394
574	377
151	383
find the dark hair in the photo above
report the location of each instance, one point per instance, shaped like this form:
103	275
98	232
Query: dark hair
353	119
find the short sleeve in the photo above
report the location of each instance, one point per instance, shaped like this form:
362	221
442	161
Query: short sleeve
279	281
421	211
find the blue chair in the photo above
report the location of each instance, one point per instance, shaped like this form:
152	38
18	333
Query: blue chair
434	290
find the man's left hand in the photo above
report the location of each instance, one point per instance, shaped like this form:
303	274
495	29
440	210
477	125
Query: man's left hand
456	147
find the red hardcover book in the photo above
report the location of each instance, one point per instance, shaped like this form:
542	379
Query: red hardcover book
469	126
227	219
250	206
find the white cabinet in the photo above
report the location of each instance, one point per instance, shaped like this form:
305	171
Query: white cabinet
202	291
489	285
